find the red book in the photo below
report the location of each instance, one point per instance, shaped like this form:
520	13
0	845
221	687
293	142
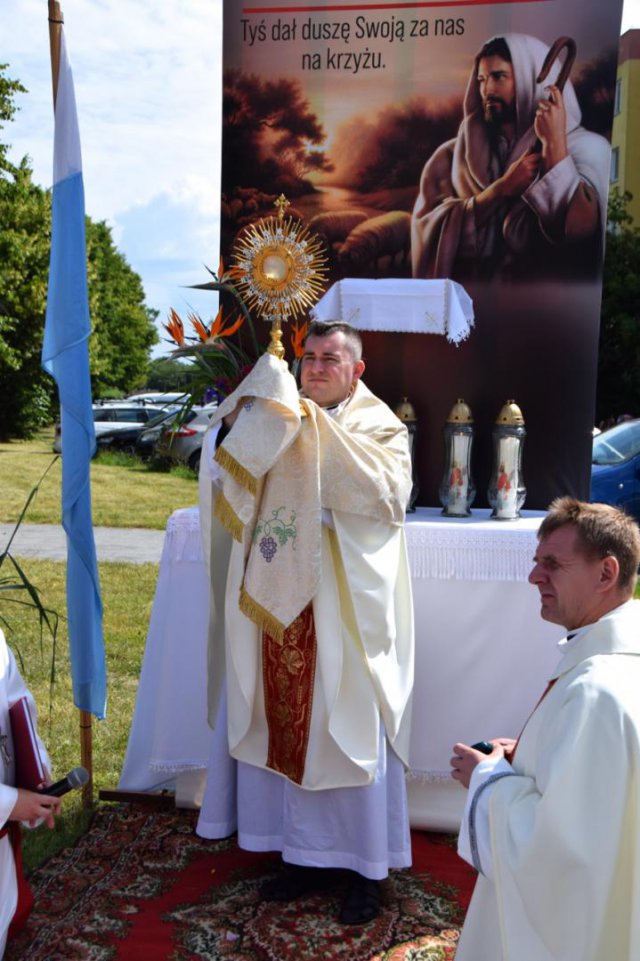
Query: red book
30	770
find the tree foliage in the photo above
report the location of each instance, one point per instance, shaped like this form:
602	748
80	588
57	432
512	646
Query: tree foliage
619	359
595	87
271	137
390	150
26	392
123	327
167	373
8	89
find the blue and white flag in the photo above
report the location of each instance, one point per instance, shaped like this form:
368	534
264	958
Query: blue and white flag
65	355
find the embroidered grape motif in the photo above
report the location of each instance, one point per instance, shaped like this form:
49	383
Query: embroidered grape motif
273	532
268	548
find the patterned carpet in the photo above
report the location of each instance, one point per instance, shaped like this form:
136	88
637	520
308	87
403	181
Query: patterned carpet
141	885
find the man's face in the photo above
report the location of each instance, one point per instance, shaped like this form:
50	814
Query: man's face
497	89
566	578
328	369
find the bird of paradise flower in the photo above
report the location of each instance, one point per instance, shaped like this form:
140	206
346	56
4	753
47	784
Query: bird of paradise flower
218	362
298	334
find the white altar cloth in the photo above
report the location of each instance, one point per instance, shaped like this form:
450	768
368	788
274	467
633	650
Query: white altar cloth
399	304
483	655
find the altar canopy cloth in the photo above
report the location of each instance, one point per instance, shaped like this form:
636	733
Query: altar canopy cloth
482	653
409	306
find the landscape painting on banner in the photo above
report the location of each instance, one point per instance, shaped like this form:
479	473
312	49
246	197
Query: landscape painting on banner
416	140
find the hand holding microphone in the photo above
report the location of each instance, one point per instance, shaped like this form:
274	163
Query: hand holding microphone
77	777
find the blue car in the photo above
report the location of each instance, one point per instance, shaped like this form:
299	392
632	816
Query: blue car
615	470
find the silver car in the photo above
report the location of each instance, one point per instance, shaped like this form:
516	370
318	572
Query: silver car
183	444
112	416
122	415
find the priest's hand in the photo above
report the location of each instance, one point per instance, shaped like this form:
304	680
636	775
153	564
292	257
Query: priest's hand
32	806
465	759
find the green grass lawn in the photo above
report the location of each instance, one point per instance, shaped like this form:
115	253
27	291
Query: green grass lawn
127	595
125	492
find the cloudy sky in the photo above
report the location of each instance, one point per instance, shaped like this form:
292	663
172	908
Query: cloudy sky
147	77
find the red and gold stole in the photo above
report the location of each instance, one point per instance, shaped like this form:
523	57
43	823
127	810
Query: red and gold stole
288	671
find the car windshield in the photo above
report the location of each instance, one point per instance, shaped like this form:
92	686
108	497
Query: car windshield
165	415
617	445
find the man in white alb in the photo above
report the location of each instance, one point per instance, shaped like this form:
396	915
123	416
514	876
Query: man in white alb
552	822
316	647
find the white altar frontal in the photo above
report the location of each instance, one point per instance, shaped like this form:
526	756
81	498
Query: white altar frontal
483	656
400	305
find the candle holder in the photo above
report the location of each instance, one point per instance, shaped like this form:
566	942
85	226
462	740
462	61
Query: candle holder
457	490
506	491
406	413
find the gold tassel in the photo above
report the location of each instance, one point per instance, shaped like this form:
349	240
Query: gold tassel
236	470
223	512
261	617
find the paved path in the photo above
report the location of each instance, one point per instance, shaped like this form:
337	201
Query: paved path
48	542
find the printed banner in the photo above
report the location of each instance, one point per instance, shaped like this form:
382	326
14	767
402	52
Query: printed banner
464	140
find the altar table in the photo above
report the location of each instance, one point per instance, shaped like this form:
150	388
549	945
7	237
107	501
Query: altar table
483	655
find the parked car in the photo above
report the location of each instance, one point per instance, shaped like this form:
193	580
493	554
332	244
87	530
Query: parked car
183	444
615	467
112	416
147	438
158	397
115	438
121	415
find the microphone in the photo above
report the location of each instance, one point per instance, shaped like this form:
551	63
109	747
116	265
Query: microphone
483	746
78	777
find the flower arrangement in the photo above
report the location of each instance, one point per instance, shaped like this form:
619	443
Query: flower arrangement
298	334
219	363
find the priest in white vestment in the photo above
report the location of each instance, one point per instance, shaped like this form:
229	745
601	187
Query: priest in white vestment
552	821
15	804
312	623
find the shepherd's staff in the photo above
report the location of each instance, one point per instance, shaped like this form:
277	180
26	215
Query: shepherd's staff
560	44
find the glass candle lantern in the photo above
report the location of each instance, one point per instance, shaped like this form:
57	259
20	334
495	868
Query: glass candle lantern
407	415
457	490
506	491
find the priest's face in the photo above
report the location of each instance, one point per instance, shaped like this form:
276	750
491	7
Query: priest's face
497	89
328	369
567	579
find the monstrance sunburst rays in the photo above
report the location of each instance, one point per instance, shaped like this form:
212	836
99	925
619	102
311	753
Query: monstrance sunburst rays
280	268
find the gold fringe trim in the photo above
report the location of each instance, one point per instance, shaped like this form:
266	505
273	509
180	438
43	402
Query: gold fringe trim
261	616
236	470
223	511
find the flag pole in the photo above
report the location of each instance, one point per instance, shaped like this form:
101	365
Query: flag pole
56	20
55	29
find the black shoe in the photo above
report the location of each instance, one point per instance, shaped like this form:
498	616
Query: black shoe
292	883
362	901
